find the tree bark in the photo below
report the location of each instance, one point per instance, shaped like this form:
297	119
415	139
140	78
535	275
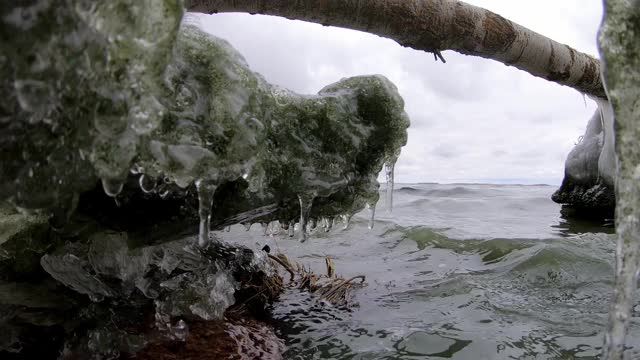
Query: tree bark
620	49
434	26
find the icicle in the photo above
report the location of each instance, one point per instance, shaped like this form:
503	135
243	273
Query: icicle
328	224
306	201
389	167
227	228
112	187
147	184
206	189
346	219
292	227
275	227
247	226
372	213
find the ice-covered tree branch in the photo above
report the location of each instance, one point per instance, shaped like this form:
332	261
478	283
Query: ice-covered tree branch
434	26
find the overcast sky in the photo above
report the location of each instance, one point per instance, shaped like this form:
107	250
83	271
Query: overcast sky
472	119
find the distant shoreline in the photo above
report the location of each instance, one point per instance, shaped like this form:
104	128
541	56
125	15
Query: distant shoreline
397	184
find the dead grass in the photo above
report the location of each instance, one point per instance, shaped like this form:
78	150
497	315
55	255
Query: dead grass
330	287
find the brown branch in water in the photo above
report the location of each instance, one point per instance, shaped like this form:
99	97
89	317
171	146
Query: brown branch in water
285	266
330	287
330	268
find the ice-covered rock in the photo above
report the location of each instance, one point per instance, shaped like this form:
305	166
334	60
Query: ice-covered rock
325	149
176	107
76	79
120	131
285	146
590	168
91	288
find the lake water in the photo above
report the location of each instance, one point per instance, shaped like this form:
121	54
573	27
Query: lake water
456	271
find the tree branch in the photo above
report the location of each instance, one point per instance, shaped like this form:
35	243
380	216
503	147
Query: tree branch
434	26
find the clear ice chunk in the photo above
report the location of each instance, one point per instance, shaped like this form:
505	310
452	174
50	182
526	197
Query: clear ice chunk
346	220
389	168
70	271
306	202
206	190
291	228
328	224
372	214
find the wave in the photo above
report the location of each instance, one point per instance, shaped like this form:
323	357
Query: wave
592	248
456	191
408	190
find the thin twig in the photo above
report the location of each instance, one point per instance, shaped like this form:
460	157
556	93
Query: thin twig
293	275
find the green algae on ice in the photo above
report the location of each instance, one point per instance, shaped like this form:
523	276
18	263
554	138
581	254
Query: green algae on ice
224	123
74	75
172	124
98	98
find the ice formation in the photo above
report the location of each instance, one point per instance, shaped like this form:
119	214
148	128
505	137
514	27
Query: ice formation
122	131
389	169
200	116
590	167
80	79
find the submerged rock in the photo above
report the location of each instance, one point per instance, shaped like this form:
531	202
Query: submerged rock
588	184
106	289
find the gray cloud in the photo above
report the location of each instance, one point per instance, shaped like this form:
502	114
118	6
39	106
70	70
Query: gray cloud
446	151
472	118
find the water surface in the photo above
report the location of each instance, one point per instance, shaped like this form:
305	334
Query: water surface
456	271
